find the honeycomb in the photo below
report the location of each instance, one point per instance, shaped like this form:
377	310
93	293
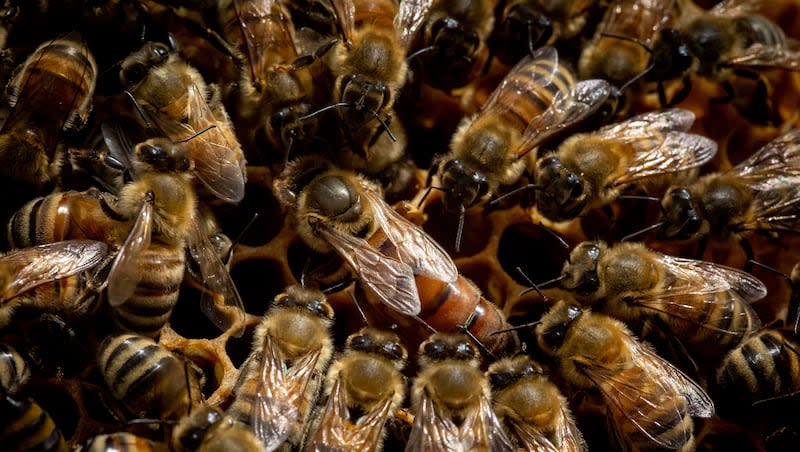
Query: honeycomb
270	256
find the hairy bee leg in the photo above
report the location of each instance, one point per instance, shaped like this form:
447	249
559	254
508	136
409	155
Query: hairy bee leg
680	96
683	359
729	94
307	60
214	38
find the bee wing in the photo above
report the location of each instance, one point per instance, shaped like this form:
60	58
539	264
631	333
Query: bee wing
760	56
409	18
531	439
221	302
260	44
773	164
566	110
776	209
389	279
518	81
648	18
570	437
735	8
45	263
413	246
345	12
432	431
693	277
217	155
337	432
120	145
665	154
646	404
481	430
279	395
648	124
124	274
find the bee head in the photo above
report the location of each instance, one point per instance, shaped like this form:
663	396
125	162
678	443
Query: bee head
681	219
373	341
137	65
564	194
580	271
462	185
553	329
503	374
671	56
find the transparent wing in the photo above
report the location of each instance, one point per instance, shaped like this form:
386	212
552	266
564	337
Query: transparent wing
431	430
390	280
516	84
736	8
638	19
217	156
566	110
570	437
530	439
280	392
776	209
772	164
220	302
760	56
666	154
411	16
481	430
336	431
345	12
413	246
124	274
648	124
693	277
41	264
265	27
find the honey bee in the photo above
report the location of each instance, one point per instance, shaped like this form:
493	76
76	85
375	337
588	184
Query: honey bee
279	382
24	425
396	263
620	48
763	367
146	377
531	407
145	277
369	63
207	429
727	44
364	388
590	170
451	399
49	93
271	87
454	37
524	25
650	402
172	95
704	306
538	98
29	276
760	194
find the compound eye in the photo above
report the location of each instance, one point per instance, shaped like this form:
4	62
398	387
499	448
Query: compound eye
134	74
393	350
360	342
465	351
434	349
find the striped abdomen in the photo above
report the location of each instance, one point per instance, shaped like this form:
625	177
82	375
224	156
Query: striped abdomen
14	371
766	365
25	426
146	377
761	30
668	421
65	216
161	268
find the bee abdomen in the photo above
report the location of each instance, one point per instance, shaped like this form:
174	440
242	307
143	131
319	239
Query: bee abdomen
14	371
150	306
531	97
24	426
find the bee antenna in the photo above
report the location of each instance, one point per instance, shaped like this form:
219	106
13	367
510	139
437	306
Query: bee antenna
464	330
139	109
151	421
245	228
627	38
642	231
515	328
513	192
551	281
460	230
428	192
188	386
420	52
303	273
352	295
337	287
555	235
323	110
532	285
644	46
640	198
385	126
197	134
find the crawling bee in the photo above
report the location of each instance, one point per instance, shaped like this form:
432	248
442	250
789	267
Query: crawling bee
650	402
364	388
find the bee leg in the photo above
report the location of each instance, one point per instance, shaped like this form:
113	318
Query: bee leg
680	96
702	244
213	38
729	94
657	327
464	329
307	60
749	254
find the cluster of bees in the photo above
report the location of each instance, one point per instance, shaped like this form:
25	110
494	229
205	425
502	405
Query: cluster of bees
139	135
